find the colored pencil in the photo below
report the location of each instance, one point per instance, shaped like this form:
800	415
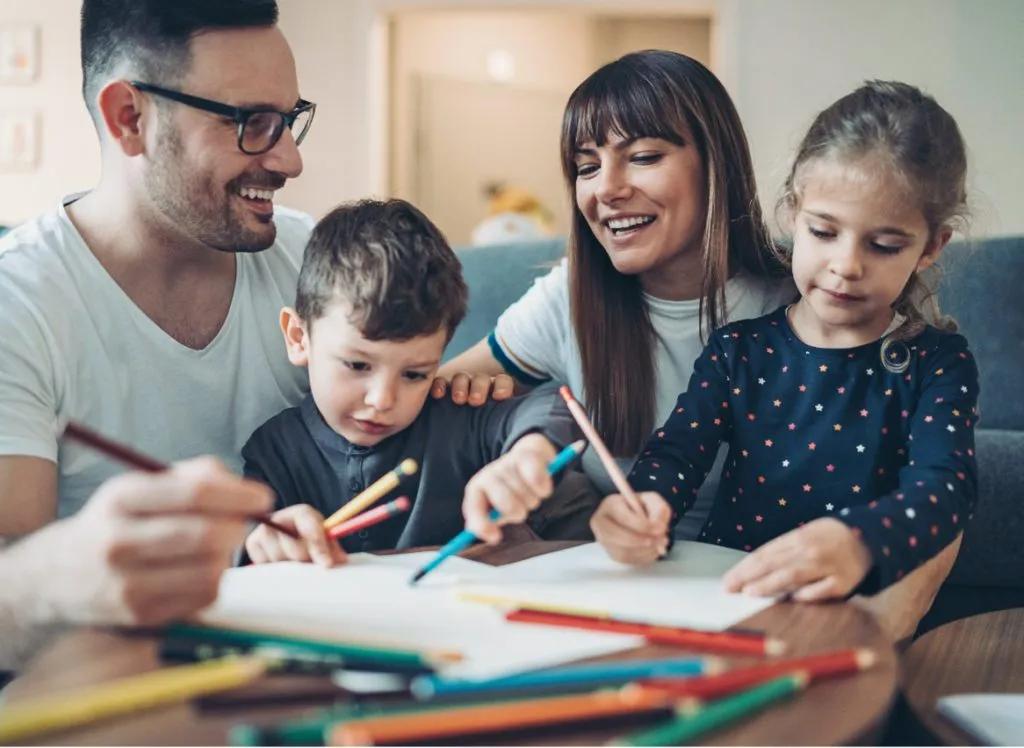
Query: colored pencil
817	667
128	456
594	674
372	517
720	641
444	724
355	655
23	720
614	472
376	491
695	718
466	538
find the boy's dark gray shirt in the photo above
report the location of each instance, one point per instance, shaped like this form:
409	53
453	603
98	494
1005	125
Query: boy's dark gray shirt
306	462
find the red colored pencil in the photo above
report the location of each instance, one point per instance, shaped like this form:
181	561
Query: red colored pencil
833	664
721	641
84	435
372	517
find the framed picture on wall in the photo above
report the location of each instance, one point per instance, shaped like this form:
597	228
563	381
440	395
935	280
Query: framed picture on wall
18	140
19	52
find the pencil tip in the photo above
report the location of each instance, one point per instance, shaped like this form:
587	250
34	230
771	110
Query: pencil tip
408	466
417	577
565	392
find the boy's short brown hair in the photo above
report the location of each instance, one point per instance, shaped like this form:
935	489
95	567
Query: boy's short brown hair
390	263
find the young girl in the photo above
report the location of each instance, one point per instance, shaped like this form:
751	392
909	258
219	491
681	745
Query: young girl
667	243
850	421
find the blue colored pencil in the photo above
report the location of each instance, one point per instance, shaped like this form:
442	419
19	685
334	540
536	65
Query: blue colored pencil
465	538
593	675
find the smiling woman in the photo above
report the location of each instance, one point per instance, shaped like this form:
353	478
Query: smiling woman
667	242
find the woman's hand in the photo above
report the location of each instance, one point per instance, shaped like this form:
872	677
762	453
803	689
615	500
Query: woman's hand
629	537
823	560
266	544
474	389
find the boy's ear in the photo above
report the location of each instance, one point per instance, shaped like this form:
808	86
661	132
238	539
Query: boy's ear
296	338
934	249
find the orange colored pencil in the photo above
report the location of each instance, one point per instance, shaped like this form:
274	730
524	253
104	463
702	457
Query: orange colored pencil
372	517
446	723
817	667
614	472
720	641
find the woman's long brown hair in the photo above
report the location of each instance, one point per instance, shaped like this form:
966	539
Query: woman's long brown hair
654	94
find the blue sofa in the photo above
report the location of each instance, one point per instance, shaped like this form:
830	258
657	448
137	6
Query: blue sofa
980	289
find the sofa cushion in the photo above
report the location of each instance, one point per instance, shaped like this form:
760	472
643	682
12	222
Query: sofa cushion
983	289
497	275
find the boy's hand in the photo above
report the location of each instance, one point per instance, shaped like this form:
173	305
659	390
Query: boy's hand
822	560
632	538
514	484
474	388
265	544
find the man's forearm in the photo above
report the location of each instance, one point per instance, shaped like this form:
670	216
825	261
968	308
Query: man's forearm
27	622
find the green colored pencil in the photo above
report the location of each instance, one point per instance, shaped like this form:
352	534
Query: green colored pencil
351	654
697	718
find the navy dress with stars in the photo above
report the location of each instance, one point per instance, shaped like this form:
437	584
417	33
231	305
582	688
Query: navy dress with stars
817	432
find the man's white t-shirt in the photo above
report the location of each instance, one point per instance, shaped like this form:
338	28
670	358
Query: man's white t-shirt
74	346
537	331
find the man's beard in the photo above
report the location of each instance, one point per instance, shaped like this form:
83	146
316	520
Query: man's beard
199	208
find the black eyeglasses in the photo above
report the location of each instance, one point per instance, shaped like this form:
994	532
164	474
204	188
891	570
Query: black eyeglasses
259	128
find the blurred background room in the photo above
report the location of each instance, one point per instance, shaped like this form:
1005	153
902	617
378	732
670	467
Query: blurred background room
456	104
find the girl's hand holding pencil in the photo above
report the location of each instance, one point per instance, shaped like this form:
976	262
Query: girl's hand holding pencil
629	536
265	545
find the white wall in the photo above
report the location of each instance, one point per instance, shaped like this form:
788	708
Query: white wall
68	151
782	59
787	59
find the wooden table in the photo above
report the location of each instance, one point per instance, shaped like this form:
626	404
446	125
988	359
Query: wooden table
848	710
980	654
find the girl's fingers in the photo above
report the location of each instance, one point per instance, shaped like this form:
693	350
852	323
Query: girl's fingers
782	580
828	588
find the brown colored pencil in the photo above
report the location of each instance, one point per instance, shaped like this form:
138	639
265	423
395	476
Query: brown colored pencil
102	444
610	465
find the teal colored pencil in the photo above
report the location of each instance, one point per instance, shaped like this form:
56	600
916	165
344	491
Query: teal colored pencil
695	720
464	539
351	654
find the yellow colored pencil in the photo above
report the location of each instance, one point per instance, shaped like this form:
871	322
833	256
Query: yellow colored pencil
22	720
371	495
511	603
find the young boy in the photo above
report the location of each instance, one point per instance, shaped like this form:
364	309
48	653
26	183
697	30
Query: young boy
380	295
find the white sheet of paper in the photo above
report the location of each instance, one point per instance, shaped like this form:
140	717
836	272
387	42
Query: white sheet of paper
995	718
683	590
369	600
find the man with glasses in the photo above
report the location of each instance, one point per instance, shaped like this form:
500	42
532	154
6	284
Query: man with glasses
147	308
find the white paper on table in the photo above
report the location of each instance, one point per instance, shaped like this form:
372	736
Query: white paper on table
684	589
994	718
369	601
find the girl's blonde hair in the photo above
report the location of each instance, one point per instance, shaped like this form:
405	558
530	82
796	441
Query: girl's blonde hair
654	94
922	144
